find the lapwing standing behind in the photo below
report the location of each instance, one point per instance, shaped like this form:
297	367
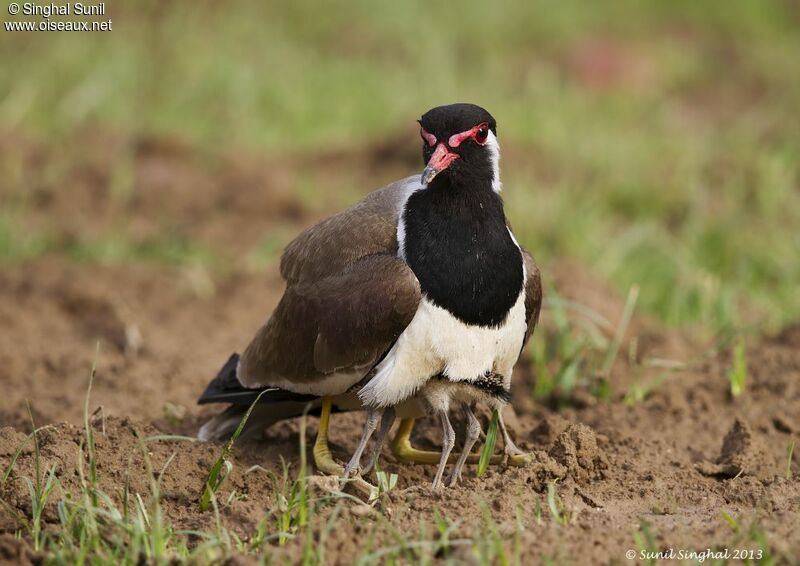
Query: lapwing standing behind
416	297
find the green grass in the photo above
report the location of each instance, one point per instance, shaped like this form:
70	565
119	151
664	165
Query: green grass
19	244
578	350
39	489
646	546
92	528
737	374
749	545
558	512
292	77
653	142
750	535
222	465
96	527
131	528
488	446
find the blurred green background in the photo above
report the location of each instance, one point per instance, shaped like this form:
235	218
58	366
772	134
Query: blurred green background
655	142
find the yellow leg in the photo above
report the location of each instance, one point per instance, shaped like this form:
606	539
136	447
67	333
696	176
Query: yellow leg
322	454
323	459
403	451
406	453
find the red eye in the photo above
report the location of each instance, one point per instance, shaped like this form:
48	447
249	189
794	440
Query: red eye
428	137
482	133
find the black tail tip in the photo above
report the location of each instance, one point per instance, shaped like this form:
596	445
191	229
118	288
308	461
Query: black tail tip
224	383
229	369
226	388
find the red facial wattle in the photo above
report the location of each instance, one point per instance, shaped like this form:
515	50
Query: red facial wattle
442	156
428	137
439	161
479	133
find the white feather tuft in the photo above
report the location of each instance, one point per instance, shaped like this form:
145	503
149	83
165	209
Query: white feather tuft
437	342
494	156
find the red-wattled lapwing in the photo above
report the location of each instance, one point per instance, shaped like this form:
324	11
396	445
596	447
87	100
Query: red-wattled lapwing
415	297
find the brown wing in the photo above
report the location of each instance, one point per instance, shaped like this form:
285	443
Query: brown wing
533	294
368	227
348	298
342	322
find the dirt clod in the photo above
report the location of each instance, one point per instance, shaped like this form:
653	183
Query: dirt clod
743	454
363	511
11	441
576	449
323	485
542	470
547	431
17	552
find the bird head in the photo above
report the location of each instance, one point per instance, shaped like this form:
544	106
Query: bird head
460	145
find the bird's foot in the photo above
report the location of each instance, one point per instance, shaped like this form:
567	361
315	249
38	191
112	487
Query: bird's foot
352	469
405	452
324	462
370	465
454	478
514	456
410	455
363	487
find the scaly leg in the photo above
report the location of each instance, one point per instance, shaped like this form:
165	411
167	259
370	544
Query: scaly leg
322	454
448	440
387	420
473	432
354	465
512	455
403	451
406	453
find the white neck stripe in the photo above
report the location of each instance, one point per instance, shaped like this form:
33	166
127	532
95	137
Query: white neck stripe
494	156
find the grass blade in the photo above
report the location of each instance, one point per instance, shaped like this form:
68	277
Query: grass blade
738	373
215	476
18	451
488	447
730	520
619	334
89	431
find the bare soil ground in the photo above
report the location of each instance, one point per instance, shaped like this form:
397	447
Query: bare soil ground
677	460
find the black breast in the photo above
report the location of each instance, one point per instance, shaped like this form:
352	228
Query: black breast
459	247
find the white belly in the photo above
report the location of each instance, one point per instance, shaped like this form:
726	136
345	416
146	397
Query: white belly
436	342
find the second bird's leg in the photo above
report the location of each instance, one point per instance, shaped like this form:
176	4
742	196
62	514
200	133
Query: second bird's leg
322	453
448	440
512	455
473	433
387	420
354	465
406	453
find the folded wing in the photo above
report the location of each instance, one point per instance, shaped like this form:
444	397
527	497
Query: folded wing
533	294
348	298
